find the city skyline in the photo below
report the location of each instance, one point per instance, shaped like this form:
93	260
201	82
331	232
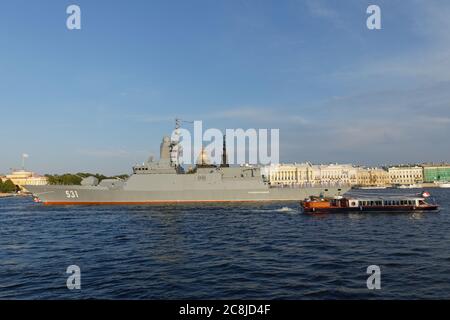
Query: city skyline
100	99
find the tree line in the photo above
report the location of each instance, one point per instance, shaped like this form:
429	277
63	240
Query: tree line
7	186
75	179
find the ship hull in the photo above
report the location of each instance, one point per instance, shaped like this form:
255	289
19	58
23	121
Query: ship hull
80	195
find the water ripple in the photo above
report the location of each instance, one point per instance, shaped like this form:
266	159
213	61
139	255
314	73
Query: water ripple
268	251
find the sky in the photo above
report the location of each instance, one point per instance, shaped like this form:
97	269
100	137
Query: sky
100	99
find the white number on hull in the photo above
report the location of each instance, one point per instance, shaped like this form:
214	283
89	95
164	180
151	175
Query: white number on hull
71	194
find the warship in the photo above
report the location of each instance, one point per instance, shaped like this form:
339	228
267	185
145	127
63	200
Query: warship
165	181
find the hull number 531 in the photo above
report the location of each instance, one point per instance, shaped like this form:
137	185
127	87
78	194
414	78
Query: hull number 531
71	194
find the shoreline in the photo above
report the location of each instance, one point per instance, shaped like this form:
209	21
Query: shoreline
7	195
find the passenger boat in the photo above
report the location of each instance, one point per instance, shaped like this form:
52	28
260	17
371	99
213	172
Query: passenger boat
369	204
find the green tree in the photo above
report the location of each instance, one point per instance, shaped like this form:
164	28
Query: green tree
8	187
75	179
64	179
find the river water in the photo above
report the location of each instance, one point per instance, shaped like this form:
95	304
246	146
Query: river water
269	251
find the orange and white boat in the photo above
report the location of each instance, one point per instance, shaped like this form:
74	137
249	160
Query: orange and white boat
369	204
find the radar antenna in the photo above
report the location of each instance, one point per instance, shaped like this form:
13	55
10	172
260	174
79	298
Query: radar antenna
175	148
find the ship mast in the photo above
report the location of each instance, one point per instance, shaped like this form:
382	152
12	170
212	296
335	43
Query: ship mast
175	148
224	153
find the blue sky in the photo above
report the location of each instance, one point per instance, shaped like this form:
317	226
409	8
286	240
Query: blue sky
100	99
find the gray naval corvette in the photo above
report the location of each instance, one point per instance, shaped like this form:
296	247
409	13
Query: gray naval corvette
163	181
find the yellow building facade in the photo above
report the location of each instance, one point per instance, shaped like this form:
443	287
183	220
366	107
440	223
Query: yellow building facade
406	175
373	177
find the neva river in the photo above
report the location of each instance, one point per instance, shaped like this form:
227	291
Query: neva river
269	251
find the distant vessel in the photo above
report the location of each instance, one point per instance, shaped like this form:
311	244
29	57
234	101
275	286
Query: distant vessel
410	186
369	204
164	181
443	184
372	188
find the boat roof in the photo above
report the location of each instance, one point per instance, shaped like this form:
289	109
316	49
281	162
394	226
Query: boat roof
377	198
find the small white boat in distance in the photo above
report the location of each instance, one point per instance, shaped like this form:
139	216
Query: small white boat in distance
410	186
372	188
443	184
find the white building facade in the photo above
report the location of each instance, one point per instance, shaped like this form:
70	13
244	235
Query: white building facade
306	174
